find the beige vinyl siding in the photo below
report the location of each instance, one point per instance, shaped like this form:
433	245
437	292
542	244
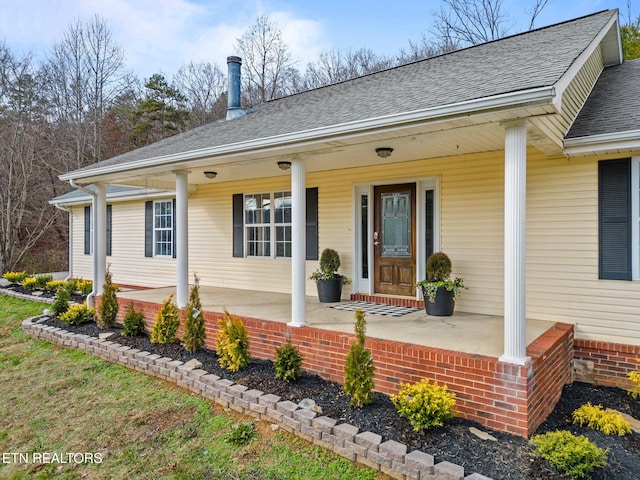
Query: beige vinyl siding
82	264
573	98
562	238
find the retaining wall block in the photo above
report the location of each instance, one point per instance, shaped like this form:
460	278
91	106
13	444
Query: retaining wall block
448	471
286	408
369	440
394	450
346	431
324	424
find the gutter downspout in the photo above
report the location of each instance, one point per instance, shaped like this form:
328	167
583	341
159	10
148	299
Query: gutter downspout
68	210
94	202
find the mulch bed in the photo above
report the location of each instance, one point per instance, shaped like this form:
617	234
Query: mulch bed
508	458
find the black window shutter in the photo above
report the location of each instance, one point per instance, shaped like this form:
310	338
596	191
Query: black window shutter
173	236
429	208
148	229
238	225
87	230
109	214
614	219
312	223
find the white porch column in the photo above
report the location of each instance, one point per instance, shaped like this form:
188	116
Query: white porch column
99	237
515	203
181	243
298	243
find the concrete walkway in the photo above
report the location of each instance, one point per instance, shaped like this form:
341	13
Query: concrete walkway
463	332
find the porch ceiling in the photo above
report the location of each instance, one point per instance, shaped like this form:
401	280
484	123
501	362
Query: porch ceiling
460	136
463	332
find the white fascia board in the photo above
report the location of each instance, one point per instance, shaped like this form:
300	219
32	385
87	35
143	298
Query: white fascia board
526	98
113	197
605	143
578	63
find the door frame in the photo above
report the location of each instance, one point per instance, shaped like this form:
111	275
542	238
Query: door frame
366	285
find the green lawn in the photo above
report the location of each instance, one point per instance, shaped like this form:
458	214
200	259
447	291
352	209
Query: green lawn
57	402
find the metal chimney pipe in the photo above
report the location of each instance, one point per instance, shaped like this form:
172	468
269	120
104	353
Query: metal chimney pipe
233	93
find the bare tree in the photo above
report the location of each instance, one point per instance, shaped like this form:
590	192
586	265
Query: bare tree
267	61
25	216
335	66
425	48
470	22
203	85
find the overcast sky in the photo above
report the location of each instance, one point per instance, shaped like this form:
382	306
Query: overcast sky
160	35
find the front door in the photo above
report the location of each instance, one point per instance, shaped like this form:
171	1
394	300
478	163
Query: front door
394	251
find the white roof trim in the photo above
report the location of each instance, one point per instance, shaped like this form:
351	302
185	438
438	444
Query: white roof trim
604	143
114	197
526	98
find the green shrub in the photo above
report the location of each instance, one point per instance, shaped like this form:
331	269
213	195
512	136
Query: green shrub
42	280
61	302
194	334
71	286
108	310
358	369
54	285
438	267
573	455
78	314
30	283
241	434
232	343
607	421
133	322
15	277
167	323
81	286
634	376
424	404
288	362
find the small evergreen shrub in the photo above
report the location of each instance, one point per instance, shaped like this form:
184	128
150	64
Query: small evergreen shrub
438	267
133	322
241	434
15	277
108	310
358	369
288	362
424	404
61	302
167	323
634	376
71	286
42	280
78	314
55	285
30	283
573	455
232	343
194	334
607	421
83	286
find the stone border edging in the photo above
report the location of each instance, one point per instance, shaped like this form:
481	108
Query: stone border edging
365	448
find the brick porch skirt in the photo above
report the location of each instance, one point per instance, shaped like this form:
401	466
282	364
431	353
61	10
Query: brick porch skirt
498	395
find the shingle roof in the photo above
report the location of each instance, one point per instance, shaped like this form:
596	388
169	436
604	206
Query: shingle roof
614	103
521	62
79	195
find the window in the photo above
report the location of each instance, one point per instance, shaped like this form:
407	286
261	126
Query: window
88	230
163	228
267	223
619	219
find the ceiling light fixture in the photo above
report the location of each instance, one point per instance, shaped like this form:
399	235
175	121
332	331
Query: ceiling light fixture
384	152
284	165
210	175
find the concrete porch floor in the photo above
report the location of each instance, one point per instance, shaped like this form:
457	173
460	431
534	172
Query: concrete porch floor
462	332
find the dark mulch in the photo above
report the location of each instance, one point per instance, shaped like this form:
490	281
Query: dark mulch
509	458
75	297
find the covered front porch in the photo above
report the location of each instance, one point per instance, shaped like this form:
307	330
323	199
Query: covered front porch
463	332
462	351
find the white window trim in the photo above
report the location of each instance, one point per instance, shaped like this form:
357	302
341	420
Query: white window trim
272	225
156	229
635	218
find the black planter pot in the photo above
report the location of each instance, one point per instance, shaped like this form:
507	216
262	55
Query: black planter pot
330	291
443	305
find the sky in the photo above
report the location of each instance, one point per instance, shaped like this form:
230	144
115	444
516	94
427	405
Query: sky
158	36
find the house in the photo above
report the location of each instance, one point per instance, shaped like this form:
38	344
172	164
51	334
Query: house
519	158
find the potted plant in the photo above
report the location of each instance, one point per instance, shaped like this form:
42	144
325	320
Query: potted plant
327	278
439	291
